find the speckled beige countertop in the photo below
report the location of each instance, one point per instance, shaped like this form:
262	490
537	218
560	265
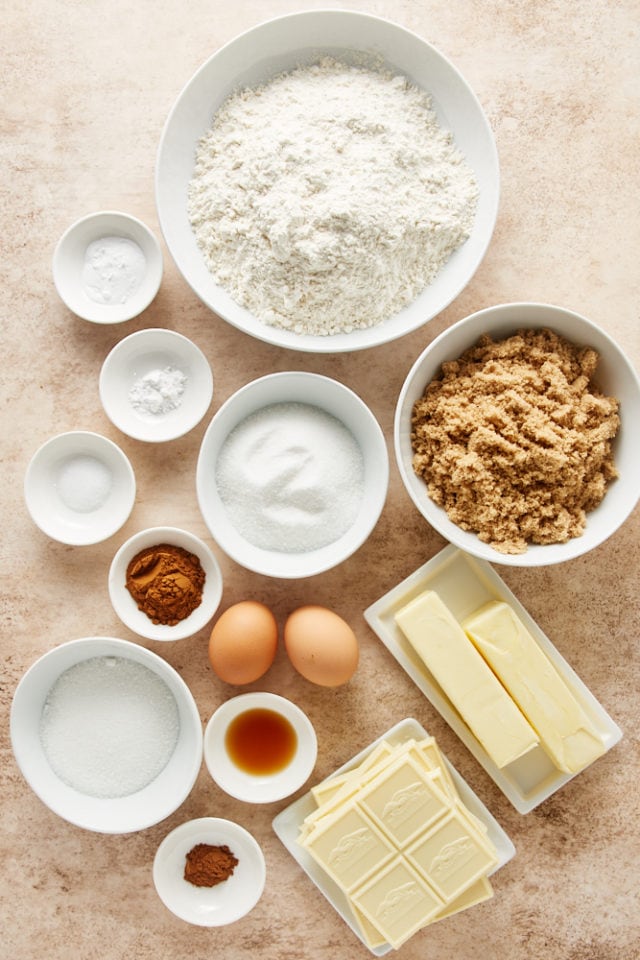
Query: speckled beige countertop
87	88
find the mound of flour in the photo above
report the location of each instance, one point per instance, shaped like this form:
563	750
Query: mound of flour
329	198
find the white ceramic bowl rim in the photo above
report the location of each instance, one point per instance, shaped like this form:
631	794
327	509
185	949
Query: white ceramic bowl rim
124	604
209	906
327	394
259	788
68	261
615	376
278	45
58	520
126	814
137	355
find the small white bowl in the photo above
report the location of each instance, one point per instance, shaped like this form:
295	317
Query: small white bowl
227	901
126	607
343	404
70	271
614	376
79	488
149	805
280	45
138	356
259	788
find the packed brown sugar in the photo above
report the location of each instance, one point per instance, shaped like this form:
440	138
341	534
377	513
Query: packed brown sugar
514	440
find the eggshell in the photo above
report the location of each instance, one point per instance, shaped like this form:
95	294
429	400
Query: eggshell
321	646
243	642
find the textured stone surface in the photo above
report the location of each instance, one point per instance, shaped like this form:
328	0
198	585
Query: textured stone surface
87	88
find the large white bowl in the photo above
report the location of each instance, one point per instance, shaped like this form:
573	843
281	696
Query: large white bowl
343	404
140	354
59	517
280	45
615	376
125	814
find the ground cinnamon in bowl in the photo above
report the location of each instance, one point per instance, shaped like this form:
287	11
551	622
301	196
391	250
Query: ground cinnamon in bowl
514	441
207	864
166	582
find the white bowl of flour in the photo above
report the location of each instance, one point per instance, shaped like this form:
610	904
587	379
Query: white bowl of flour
344	199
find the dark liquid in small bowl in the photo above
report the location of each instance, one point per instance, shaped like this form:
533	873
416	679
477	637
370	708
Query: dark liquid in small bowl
261	741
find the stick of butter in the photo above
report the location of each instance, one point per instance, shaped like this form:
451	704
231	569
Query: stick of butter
567	733
476	693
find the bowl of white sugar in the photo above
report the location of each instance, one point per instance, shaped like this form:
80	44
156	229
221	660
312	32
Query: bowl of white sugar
107	267
292	474
107	734
79	487
327	181
156	385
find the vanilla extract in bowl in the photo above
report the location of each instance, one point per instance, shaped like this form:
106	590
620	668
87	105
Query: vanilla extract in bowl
261	741
259	747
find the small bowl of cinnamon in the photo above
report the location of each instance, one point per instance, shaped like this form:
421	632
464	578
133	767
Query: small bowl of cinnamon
209	872
165	583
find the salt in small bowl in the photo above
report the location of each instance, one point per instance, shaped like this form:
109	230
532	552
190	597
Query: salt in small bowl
96	293
79	488
228	900
139	358
124	604
259	787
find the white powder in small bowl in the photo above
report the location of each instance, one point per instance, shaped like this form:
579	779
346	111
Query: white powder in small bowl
159	391
113	269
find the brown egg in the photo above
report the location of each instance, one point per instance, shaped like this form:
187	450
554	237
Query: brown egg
321	646
243	642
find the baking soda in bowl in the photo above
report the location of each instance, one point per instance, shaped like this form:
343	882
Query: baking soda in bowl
113	269
109	726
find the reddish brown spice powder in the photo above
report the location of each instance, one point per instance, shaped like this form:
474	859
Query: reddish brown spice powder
209	864
166	582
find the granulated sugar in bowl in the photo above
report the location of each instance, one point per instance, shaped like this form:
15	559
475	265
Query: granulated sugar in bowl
292	474
337	241
107	734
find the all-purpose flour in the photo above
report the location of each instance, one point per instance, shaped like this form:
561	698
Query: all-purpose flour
329	198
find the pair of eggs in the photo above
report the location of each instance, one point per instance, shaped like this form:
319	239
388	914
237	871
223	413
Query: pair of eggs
321	646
